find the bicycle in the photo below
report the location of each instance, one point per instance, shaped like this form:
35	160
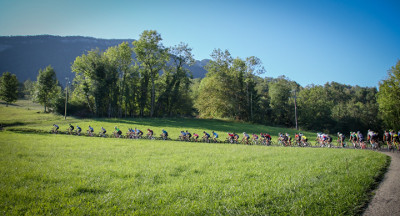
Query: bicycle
89	133
101	134
53	131
150	136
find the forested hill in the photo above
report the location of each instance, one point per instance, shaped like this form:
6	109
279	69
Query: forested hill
25	55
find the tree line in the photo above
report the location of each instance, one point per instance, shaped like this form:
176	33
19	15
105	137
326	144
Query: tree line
150	80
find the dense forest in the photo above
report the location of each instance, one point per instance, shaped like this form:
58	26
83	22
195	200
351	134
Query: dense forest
155	83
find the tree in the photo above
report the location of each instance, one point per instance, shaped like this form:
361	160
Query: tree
315	108
96	80
152	57
8	87
215	91
174	95
282	108
253	68
389	98
46	86
120	57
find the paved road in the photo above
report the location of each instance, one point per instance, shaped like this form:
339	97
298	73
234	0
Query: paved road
387	197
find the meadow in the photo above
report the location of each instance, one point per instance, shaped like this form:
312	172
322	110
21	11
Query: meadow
60	174
28	117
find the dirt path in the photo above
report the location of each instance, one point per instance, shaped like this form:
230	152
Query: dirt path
387	197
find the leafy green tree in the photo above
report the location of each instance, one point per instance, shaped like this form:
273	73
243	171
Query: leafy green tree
282	106
96	78
215	92
152	57
253	68
174	95
8	88
389	98
46	87
120	58
229	89
314	108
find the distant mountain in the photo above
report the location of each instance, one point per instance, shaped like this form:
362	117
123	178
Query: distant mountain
25	55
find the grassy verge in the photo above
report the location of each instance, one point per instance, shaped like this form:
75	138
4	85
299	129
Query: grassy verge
58	174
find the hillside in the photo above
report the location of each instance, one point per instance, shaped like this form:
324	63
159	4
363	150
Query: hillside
25	55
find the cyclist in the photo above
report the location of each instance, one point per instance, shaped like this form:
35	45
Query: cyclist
297	138
103	132
268	138
369	135
78	130
188	135
280	138
323	139
341	139
206	136
386	137
262	139
236	137
150	133
254	137
353	139
90	131
246	137
195	137
289	139
285	139
164	134
130	133
55	128
215	136
329	141
70	129
360	139
304	140
230	137
374	139
395	140
182	136
138	133
117	132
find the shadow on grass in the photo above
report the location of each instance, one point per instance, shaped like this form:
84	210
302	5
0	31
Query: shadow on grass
12	105
200	124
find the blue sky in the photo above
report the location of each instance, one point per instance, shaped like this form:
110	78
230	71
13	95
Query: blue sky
309	41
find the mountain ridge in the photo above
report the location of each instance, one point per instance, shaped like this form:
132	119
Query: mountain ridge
25	55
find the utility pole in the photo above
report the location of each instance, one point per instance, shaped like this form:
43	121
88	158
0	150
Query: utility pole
66	97
295	107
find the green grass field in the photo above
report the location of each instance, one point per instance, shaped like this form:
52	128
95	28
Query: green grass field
60	174
22	117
